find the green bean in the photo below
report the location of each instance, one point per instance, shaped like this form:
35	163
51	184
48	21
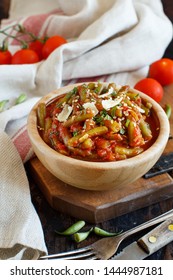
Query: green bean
145	130
127	122
80	152
56	144
66	97
96	131
87	144
128	102
168	110
95	88
41	114
119	112
112	125
131	131
112	85
99	88
82	93
48	123
103	232
148	105
129	152
74	141
2	104
90	133
65	134
73	228
78	118
91	86
21	99
132	95
125	88
113	111
80	236
147	108
47	126
135	137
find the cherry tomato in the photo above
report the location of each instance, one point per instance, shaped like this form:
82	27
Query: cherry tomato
37	46
5	57
150	87
162	71
51	44
25	56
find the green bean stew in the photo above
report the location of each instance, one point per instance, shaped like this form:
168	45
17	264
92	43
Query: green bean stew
95	122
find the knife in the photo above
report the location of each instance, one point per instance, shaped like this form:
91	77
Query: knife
149	243
163	165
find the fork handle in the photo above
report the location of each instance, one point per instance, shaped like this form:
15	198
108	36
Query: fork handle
157	220
158	237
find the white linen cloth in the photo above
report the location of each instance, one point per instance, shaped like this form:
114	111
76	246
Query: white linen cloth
20	230
112	40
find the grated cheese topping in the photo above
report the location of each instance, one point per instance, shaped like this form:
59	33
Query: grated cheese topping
91	105
109	103
65	113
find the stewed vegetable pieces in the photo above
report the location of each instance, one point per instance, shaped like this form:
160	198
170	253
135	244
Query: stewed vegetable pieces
98	122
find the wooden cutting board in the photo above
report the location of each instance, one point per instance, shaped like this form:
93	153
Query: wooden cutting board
94	206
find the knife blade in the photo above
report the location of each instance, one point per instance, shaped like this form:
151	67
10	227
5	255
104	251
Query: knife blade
149	243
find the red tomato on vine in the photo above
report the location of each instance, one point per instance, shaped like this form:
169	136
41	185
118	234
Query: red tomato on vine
5	57
37	46
51	44
25	56
162	71
150	87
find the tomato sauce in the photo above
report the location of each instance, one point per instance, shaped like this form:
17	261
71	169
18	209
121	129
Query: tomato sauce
95	122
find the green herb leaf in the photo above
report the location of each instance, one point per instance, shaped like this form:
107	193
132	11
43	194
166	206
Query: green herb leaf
104	113
98	119
75	133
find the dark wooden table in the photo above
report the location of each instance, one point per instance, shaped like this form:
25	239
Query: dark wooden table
53	220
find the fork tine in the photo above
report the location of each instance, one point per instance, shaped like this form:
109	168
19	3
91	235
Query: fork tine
86	255
81	253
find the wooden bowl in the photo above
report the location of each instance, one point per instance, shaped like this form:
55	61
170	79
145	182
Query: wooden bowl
97	176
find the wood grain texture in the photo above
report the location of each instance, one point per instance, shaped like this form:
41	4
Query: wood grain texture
93	206
158	237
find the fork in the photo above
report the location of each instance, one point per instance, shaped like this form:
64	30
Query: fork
105	248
